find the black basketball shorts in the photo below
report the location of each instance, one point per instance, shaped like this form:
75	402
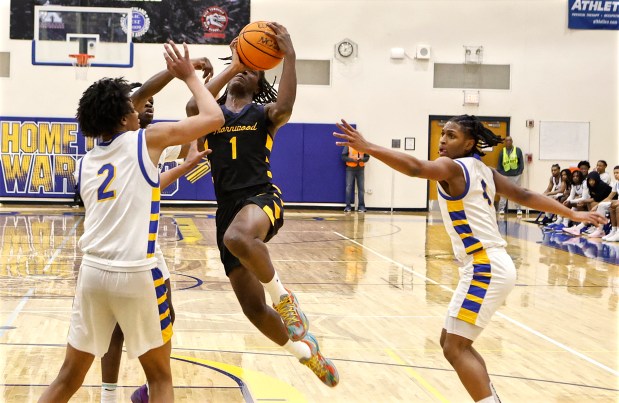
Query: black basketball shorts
268	199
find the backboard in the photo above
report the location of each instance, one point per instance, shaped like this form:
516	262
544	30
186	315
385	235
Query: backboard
98	31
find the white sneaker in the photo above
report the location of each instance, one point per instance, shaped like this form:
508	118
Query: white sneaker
591	230
611	233
519	212
501	212
614	238
598	233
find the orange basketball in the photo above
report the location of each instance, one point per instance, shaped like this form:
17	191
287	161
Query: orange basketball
256	49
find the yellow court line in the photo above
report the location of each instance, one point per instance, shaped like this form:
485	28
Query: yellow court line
189	230
261	386
417	377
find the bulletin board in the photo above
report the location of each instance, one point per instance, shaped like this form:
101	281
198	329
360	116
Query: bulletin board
564	141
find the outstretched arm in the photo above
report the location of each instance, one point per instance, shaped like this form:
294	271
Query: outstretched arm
442	169
280	111
193	158
217	83
156	83
208	119
540	202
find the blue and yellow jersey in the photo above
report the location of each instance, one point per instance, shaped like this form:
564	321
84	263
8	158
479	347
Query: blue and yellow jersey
119	185
470	218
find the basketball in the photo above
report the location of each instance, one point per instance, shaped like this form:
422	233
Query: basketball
256	49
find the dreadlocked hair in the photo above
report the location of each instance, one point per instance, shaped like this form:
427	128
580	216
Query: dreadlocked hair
266	92
102	107
483	136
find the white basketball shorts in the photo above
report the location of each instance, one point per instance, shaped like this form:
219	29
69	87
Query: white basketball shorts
161	264
486	279
136	300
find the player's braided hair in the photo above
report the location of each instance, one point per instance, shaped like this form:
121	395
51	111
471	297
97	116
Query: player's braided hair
266	92
483	136
102	107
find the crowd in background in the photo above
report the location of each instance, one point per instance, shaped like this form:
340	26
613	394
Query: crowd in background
584	189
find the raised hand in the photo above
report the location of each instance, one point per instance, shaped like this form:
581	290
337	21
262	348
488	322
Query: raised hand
351	136
204	64
179	66
194	156
282	37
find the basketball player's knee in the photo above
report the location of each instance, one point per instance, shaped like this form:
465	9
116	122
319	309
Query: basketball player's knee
160	377
255	311
451	351
236	242
72	379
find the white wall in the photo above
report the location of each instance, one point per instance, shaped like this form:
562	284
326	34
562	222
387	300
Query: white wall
557	75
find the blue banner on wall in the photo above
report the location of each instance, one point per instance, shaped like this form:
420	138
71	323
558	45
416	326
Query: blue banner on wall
593	14
38	157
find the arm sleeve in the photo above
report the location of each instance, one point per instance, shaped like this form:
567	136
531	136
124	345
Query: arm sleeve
572	194
585	194
170	154
499	165
520	160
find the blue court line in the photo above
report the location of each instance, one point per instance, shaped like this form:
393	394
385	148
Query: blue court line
244	389
197	284
9	321
390	364
121	386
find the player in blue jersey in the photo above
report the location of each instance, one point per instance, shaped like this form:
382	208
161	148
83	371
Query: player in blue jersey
250	209
119	281
466	188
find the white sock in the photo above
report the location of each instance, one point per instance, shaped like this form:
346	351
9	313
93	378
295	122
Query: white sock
496	397
489	399
108	392
298	349
275	288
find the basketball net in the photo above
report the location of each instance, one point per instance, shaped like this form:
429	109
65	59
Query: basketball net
81	63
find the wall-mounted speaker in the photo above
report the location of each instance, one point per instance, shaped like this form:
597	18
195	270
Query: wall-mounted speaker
423	52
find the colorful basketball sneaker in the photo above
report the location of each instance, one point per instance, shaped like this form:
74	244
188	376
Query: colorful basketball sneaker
295	320
321	366
140	395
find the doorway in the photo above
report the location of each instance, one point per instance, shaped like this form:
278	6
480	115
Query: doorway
498	125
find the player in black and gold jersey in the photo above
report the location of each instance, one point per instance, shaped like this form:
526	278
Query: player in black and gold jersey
250	209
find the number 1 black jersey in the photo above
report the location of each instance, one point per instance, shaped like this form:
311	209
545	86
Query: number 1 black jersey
241	151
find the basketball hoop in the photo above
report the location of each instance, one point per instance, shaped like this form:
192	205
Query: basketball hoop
81	62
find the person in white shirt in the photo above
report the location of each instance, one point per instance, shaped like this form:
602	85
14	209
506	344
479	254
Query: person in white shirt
466	188
601	168
119	281
611	204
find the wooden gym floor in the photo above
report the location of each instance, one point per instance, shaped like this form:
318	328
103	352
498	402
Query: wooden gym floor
375	288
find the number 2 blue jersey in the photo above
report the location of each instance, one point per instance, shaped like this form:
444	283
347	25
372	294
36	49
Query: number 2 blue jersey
119	185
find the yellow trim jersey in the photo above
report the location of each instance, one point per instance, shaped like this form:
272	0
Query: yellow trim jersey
241	152
119	185
470	218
